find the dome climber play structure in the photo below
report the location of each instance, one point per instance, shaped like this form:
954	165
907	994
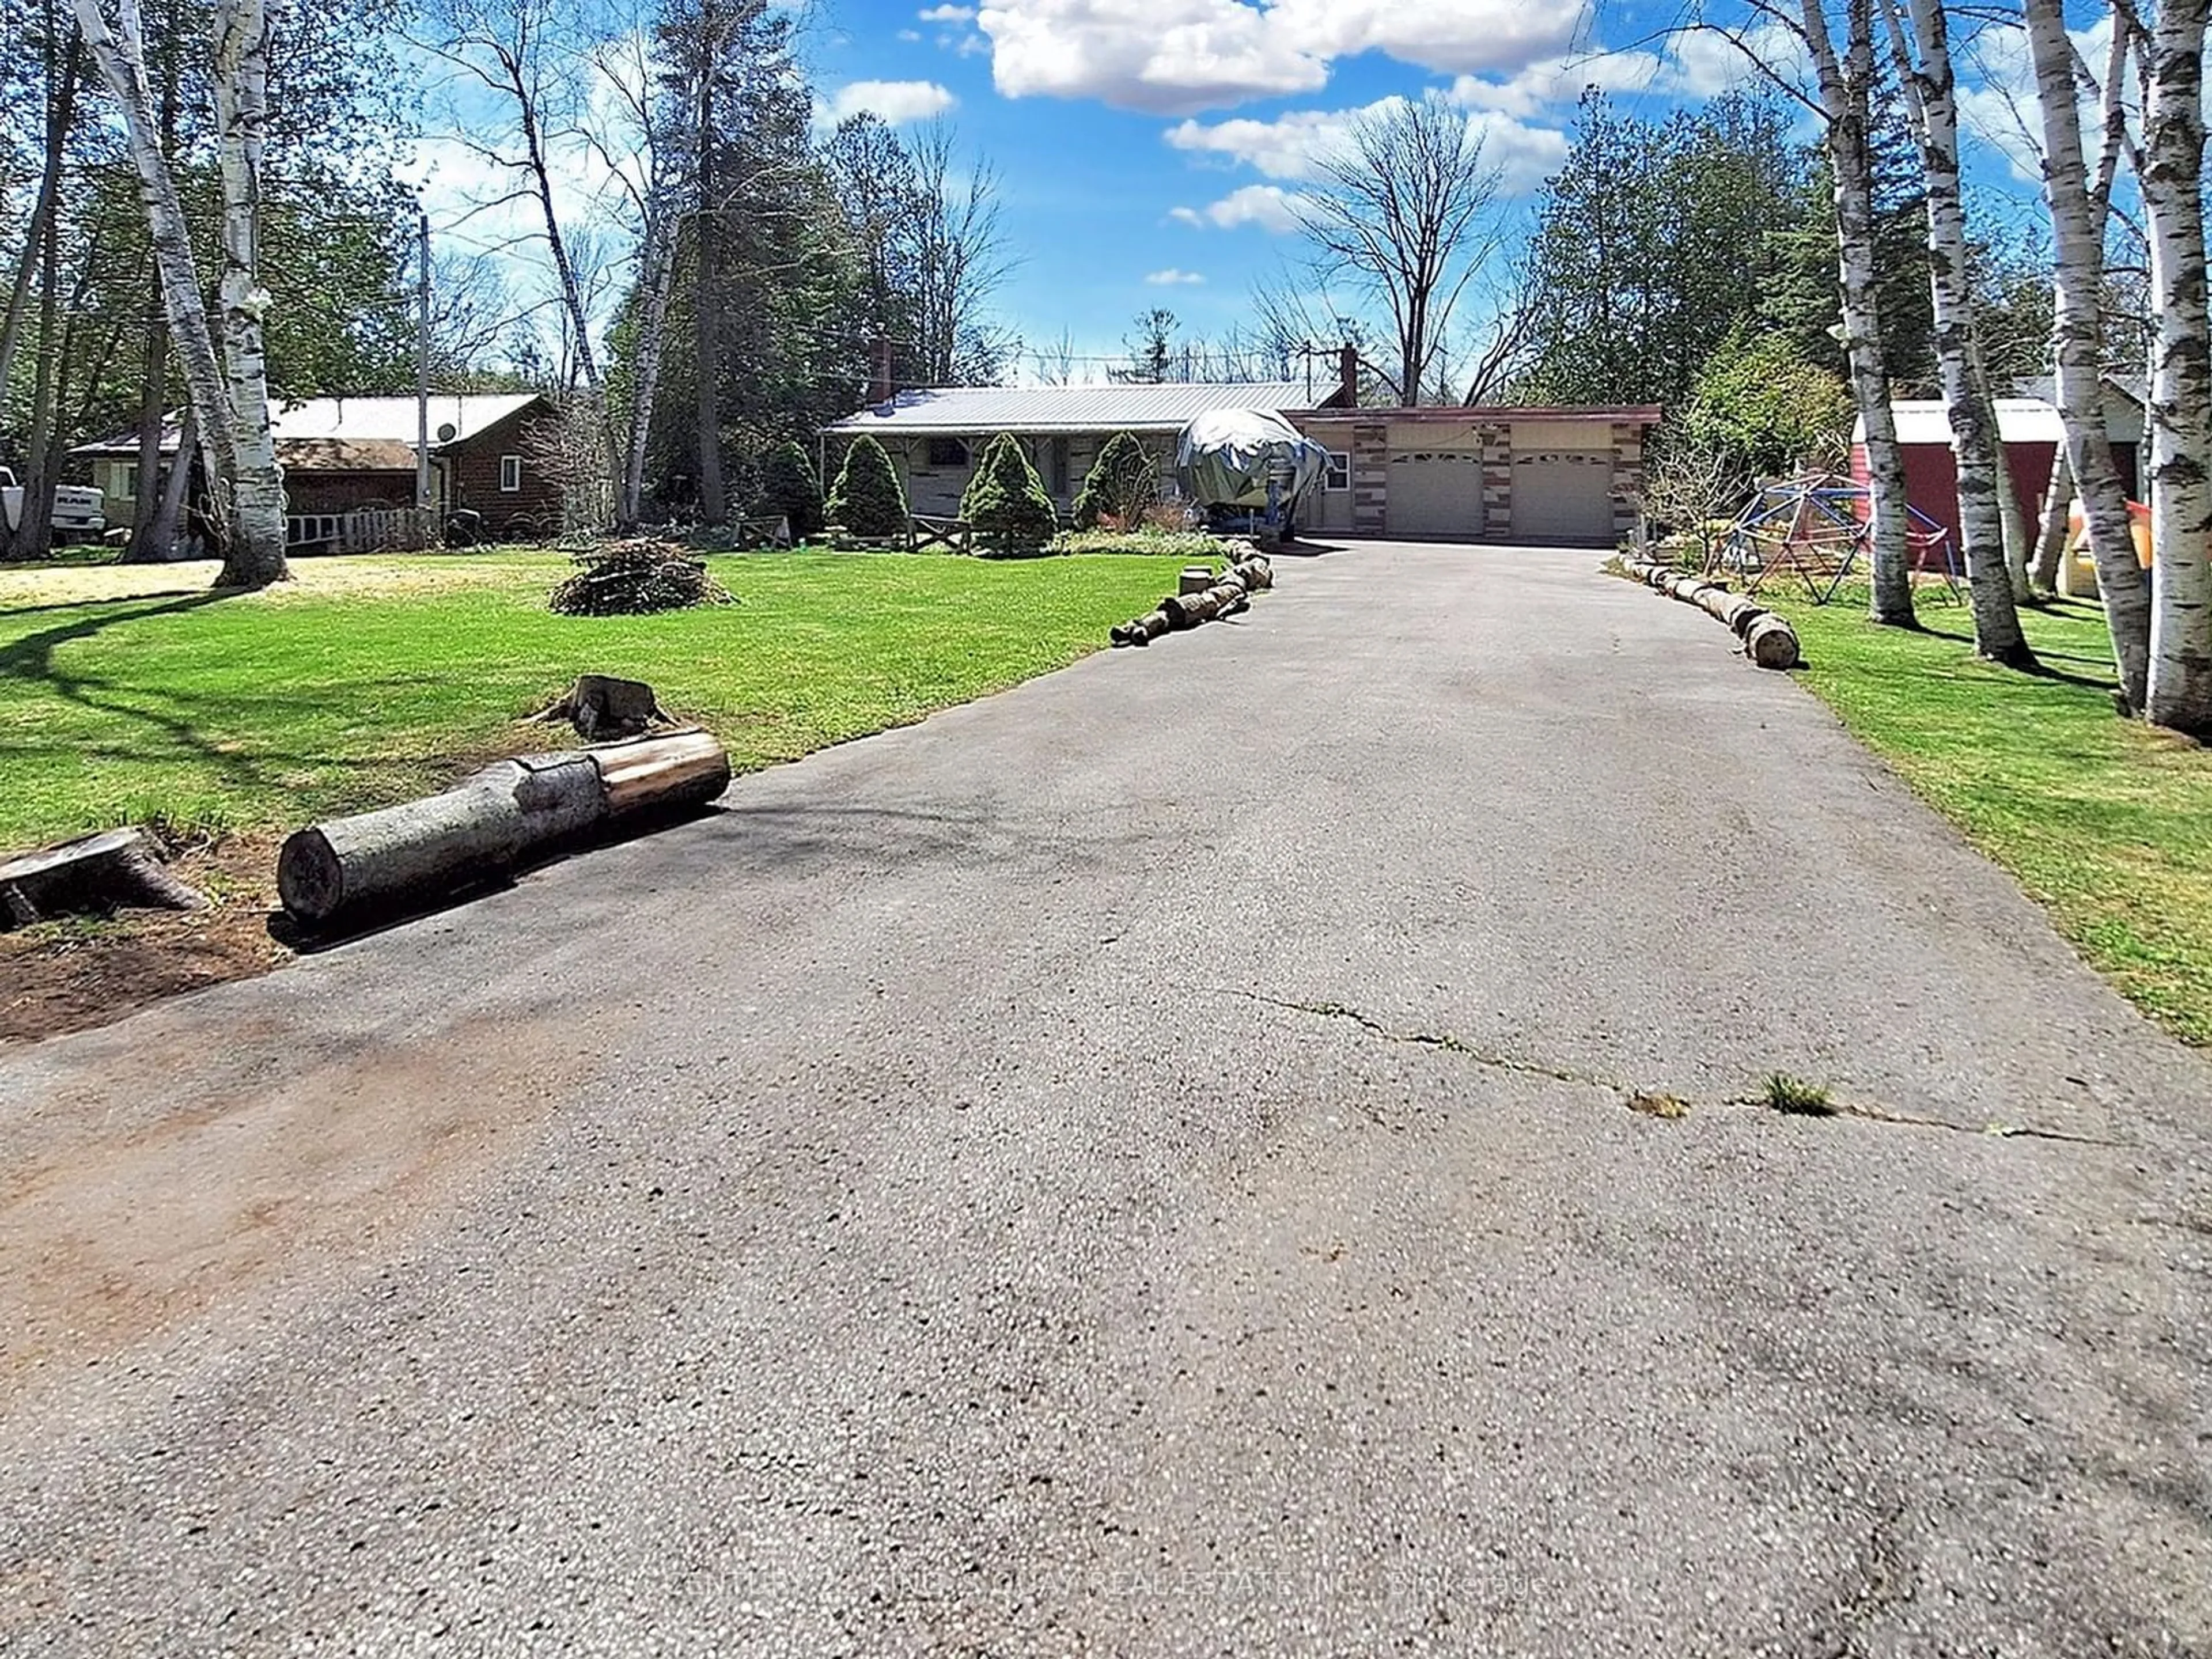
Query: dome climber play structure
1815	528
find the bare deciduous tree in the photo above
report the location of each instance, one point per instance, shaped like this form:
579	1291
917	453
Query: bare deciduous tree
961	261
1402	210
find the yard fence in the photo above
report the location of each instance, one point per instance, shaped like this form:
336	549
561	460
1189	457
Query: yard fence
364	530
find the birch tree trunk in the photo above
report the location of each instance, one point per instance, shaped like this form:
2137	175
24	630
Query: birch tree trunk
255	556
2180	690
168	513
121	55
1975	444
656	280
1843	103
2050	533
2078	207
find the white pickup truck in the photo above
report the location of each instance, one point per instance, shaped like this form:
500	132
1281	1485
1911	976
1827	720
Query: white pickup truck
79	511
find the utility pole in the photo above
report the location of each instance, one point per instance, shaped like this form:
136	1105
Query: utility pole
423	360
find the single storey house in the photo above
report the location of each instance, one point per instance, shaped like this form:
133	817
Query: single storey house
1569	476
2032	433
936	437
342	455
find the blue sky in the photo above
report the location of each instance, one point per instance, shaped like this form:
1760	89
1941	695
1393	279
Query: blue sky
1147	147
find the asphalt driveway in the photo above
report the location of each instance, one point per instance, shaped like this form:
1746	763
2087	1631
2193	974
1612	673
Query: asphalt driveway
1143	1164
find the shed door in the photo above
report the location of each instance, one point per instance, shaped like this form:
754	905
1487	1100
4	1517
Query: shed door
1563	495
1434	492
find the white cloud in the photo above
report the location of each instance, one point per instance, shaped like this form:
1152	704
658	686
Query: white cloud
1270	207
1179	57
947	15
1173	277
1553	82
894	100
1289	146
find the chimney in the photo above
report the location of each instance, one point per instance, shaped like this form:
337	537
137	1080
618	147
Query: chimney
879	376
1347	377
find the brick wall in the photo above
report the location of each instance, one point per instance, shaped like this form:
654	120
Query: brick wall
1370	478
1627	478
1496	482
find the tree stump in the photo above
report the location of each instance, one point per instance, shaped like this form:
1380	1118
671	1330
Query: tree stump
603	706
112	869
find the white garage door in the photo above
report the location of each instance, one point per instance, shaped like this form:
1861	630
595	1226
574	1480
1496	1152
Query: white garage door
1435	492
1563	495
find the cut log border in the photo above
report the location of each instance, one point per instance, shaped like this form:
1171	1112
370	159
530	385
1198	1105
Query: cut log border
1767	637
1230	593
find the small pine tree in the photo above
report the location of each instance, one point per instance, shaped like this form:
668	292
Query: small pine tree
1122	483
790	487
866	498
1005	500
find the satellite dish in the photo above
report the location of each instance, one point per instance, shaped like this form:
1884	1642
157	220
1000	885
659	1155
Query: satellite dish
447	432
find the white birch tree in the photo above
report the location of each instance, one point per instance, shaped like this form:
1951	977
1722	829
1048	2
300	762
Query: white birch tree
1932	97
255	553
2180	693
1846	85
2079	203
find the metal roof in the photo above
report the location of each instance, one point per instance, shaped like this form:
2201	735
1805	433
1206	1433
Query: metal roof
358	421
975	410
1926	421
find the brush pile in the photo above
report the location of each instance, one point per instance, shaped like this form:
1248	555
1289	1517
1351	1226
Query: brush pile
630	579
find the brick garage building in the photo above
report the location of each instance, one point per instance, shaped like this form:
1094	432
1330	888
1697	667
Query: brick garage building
1563	477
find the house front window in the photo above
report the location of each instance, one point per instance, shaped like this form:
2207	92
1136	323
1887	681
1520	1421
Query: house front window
1338	476
510	474
948	452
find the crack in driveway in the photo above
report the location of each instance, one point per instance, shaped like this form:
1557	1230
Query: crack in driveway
1450	1043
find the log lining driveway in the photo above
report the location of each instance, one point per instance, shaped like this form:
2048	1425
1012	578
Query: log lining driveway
1142	1164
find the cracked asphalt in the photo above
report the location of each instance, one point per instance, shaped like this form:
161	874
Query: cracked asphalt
1142	1164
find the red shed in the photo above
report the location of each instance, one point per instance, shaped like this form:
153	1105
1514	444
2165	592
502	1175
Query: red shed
2032	433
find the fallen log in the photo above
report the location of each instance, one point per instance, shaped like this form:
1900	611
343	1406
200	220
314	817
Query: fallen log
116	869
508	814
673	772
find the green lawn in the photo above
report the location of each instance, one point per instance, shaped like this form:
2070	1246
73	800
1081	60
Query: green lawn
2106	823
367	679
